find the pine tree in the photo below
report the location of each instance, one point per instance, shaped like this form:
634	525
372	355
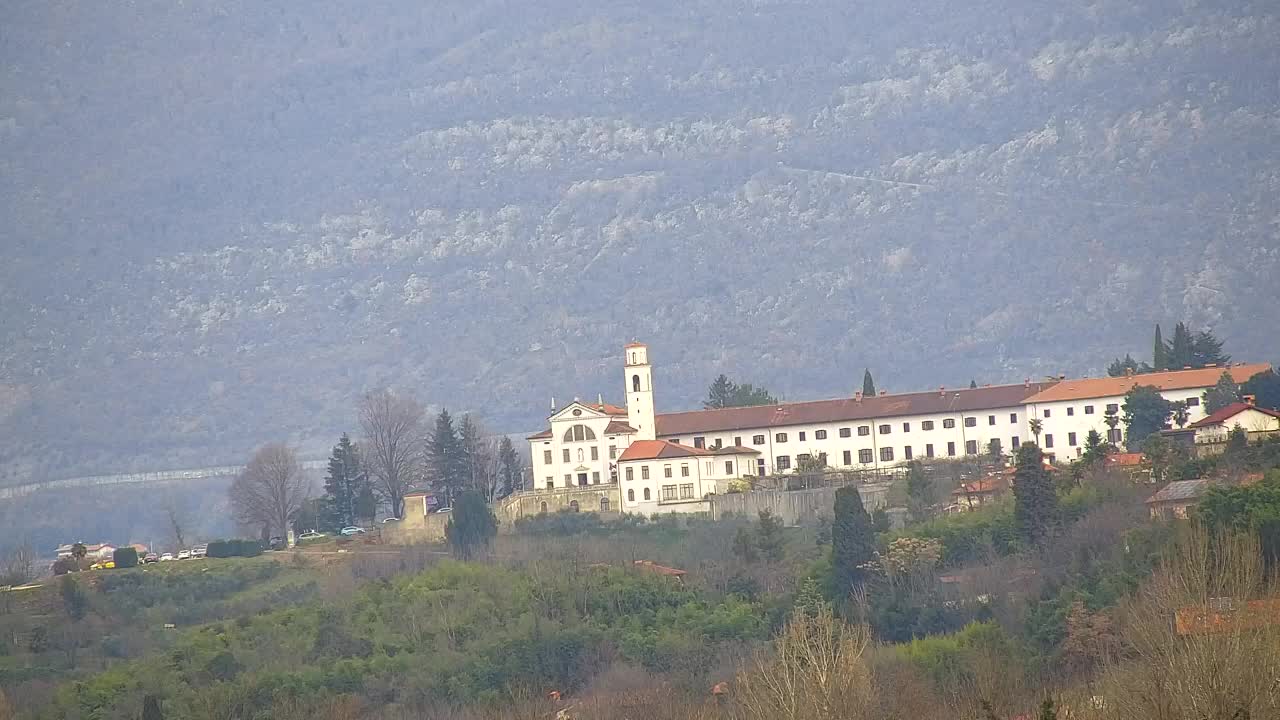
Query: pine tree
769	537
471	455
720	394
1158	360
1207	350
1035	506
445	456
1121	368
342	485
868	385
853	540
510	469
809	600
1095	449
471	525
1265	389
1222	394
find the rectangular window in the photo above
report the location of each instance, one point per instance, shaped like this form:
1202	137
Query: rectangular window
1048	441
728	467
886	454
906	427
1046	412
568	480
848	457
970	447
1071	412
971	422
684	471
1071	439
595	478
666	471
949	423
757	439
737	441
885	429
819	435
782	462
710	468
551	483
546	457
595	452
864	430
846	432
991	419
686	491
928	450
801	436
1193	402
675	441
613	452
906	453
700	442
1114	408
1016	442
566	455
803	458
926	425
630	474
1013	418
644	472
668	492
864	456
1114	435
1088	409
951	449
780	438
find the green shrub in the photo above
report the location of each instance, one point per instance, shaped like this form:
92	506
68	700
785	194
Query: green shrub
234	548
125	557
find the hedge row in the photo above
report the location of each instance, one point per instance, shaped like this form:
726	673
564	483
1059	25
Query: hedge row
234	548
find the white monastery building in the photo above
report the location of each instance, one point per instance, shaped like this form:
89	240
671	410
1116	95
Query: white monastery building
671	462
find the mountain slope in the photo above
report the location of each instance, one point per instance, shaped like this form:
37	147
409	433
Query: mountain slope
227	221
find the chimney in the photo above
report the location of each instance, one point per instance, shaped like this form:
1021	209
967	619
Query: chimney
600	398
1062	376
553	403
1026	383
884	392
1250	399
1128	372
857	396
942	390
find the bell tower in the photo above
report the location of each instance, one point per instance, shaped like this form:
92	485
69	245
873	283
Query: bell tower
639	390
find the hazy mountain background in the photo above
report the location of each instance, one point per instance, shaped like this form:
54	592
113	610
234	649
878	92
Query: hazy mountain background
225	220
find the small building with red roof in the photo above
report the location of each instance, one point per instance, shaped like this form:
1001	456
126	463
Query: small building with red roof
1217	426
662	476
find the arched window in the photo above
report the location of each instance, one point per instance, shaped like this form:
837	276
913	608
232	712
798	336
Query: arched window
573	506
604	504
635	383
633	358
646	493
543	509
579	433
631	496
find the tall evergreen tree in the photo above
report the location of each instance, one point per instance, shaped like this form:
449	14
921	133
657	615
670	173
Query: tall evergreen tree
1095	449
1207	350
471	455
1035	506
1181	350
920	492
446	458
868	385
471	525
1158	360
769	538
1221	394
510	469
853	540
151	708
1145	413
1127	366
720	394
342	484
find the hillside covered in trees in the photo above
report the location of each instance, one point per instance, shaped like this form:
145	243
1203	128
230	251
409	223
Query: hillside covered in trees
225	221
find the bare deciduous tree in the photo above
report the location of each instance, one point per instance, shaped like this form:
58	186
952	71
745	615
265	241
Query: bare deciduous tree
177	514
392	426
270	490
19	566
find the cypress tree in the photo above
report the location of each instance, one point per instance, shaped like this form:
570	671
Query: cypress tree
471	526
853	540
510	468
1180	351
1035	506
1158	359
151	708
868	385
470	455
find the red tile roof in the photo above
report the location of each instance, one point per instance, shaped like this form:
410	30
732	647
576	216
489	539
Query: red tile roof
634	345
607	409
1085	388
617	427
990	485
656	449
1125	459
848	409
659	569
1228	412
544	435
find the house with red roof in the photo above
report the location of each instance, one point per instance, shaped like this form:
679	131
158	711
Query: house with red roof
1215	427
663	476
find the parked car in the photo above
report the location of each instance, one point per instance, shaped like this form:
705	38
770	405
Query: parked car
166	557
150	558
313	535
184	554
387	520
352	530
200	551
276	543
445	510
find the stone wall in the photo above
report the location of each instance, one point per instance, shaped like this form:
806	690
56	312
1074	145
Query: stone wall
795	507
588	498
416	528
